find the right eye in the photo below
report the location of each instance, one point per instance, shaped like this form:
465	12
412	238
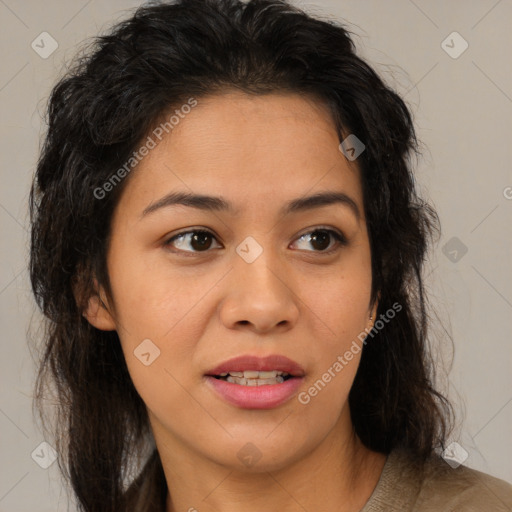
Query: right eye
199	240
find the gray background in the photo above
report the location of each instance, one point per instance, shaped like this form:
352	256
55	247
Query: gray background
462	108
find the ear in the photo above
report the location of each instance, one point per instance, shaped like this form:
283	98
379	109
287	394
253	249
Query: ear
373	313
97	311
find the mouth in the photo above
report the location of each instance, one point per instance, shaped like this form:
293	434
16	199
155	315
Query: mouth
250	382
254	377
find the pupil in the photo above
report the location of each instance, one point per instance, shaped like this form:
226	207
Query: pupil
200	241
322	237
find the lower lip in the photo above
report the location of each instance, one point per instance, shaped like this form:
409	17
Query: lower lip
267	396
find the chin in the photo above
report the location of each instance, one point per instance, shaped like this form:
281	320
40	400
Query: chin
260	453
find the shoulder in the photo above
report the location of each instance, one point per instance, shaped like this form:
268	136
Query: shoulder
434	486
463	489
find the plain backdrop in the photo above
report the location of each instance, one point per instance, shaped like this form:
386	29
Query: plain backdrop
461	99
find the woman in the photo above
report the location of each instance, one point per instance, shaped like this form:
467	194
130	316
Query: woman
228	245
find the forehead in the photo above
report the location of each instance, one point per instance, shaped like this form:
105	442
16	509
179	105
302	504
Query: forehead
263	149
236	124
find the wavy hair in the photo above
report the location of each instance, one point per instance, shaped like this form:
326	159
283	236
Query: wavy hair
99	112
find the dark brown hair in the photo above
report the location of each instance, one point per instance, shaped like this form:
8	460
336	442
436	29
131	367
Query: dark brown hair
98	114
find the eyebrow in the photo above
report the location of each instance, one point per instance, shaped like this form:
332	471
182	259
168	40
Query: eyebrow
216	203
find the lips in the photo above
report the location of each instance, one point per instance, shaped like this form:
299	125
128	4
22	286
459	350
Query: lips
262	364
267	382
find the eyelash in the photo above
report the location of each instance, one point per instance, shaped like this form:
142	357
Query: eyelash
339	238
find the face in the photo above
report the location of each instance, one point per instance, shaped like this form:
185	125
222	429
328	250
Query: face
260	272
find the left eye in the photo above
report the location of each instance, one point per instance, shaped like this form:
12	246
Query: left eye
321	239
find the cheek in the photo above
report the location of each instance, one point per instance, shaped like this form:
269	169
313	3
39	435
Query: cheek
340	299
340	316
153	300
165	308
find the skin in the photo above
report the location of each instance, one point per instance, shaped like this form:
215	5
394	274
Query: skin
204	307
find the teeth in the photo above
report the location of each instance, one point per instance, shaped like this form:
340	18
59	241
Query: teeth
255	382
267	375
254	377
254	374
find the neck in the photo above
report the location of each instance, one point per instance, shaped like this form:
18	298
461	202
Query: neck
338	475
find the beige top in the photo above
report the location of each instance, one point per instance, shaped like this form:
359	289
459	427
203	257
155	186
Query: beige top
404	486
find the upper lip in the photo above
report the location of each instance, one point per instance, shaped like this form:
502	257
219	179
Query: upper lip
268	363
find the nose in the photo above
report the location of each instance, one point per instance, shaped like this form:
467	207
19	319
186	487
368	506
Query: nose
259	296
